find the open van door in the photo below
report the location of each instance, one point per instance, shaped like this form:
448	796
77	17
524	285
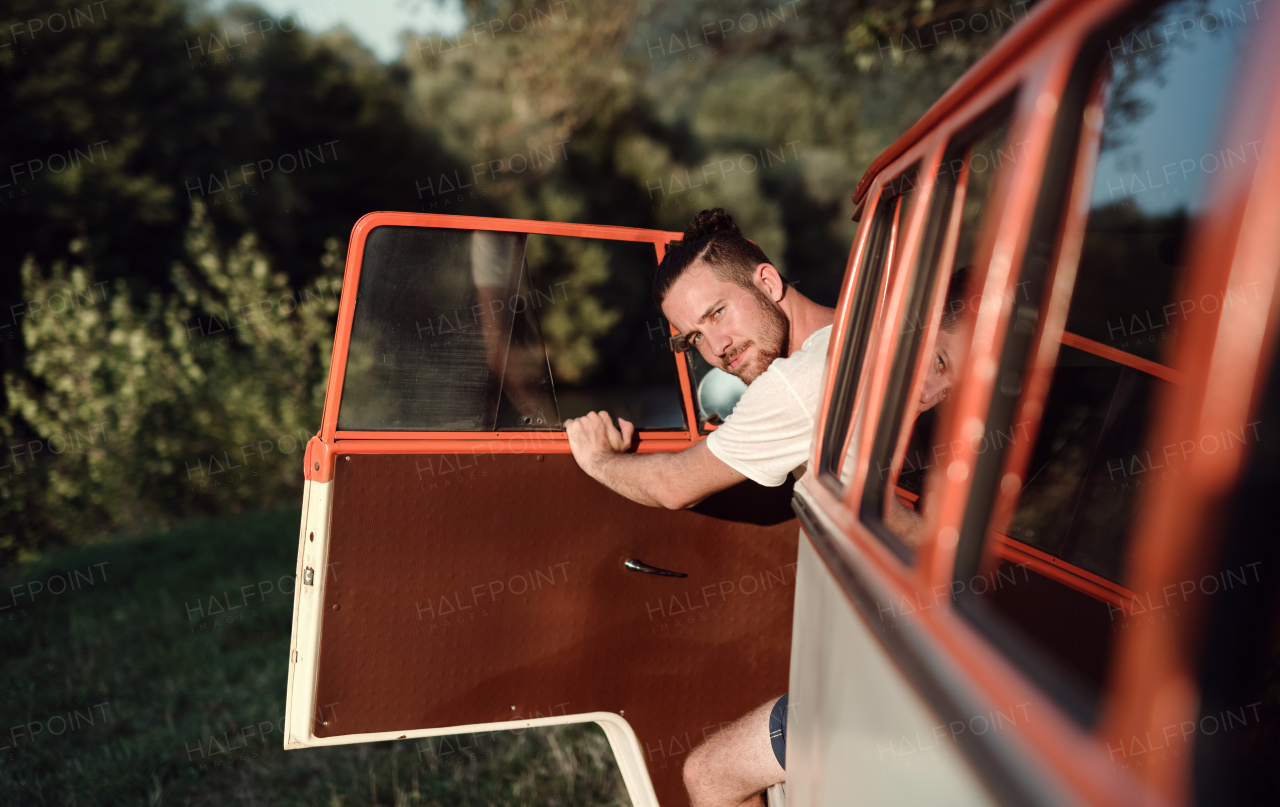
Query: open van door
458	571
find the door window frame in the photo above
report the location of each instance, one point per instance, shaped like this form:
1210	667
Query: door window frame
544	440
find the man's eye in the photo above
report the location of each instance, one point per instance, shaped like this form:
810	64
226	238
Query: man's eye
695	339
941	365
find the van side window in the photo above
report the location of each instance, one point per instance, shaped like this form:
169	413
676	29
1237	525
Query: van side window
882	245
933	338
1042	557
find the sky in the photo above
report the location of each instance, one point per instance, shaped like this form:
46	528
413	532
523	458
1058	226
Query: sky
1169	154
376	23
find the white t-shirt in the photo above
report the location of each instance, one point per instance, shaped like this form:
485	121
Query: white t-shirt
768	433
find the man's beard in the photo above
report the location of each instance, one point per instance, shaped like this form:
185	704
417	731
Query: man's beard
772	343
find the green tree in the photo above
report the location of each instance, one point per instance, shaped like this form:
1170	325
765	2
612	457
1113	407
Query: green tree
199	400
114	127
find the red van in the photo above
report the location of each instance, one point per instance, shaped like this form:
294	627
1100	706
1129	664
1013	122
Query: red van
1055	583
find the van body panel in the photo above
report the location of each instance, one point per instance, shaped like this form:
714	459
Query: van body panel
858	732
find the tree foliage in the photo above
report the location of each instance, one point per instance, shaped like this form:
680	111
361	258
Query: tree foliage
635	113
200	400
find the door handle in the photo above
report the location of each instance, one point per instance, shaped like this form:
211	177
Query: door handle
641	566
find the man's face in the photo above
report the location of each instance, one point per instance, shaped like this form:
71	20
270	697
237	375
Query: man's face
738	330
942	371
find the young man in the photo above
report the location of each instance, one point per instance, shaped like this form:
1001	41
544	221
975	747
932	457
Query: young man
728	301
945	365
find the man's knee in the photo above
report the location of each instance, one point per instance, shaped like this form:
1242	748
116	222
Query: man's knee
694	767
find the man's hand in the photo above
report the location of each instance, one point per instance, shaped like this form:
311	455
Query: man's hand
594	439
670	479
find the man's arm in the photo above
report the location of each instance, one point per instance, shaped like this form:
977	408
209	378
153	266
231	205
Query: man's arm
906	523
671	480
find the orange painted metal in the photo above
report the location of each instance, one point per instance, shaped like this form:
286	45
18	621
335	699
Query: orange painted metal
835	345
1055	568
1120	357
682	364
321	456
652	434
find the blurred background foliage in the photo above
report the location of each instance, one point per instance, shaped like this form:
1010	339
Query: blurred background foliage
172	289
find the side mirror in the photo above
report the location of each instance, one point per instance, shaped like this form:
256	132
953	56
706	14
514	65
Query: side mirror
718	393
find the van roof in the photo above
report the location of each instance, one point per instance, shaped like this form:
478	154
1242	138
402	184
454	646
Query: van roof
1022	37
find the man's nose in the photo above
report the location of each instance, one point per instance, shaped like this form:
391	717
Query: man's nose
720	343
930	391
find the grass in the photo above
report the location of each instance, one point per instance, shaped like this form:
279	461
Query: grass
130	687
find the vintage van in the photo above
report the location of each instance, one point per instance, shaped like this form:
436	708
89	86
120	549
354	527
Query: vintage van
1054	582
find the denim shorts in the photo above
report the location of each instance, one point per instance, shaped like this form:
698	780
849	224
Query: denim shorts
778	731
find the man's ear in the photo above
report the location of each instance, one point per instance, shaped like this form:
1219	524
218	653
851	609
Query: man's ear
770	281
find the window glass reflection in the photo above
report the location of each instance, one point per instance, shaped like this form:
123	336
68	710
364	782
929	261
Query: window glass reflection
431	330
605	339
1167	84
1053	560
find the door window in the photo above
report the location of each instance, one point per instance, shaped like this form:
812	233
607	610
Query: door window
1042	570
471	330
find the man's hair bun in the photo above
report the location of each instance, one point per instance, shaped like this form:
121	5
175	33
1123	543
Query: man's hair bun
711	222
714	239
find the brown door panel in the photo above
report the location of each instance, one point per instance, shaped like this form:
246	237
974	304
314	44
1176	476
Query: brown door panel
452	597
